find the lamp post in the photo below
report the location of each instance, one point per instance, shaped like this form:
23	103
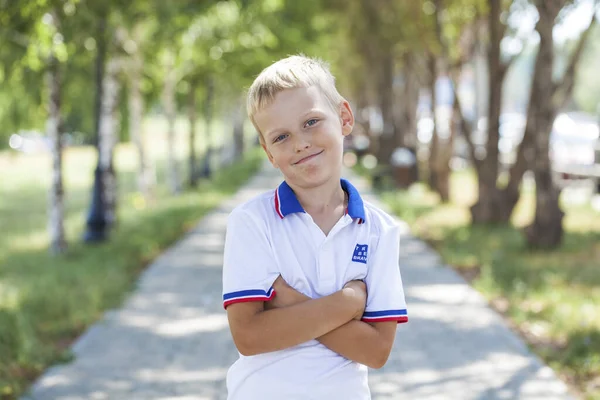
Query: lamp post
96	221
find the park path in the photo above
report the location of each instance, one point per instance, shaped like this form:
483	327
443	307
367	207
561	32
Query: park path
170	340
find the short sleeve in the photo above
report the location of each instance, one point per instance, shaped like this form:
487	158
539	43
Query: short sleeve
385	300
249	268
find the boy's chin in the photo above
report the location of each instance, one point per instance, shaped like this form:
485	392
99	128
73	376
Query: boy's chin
312	180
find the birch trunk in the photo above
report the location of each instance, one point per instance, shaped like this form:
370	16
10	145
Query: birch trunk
170	113
58	243
145	179
108	132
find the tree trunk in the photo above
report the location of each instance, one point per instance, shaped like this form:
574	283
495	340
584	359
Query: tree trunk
58	243
238	129
485	210
445	156
408	137
207	170
170	108
434	143
108	137
192	121
145	180
546	230
525	152
387	138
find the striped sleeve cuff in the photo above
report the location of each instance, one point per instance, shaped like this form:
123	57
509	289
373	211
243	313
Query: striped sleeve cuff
400	316
247	295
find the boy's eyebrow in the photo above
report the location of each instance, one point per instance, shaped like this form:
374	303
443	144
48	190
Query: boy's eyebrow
277	130
312	110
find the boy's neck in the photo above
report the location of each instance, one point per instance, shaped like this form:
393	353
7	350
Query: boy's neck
322	200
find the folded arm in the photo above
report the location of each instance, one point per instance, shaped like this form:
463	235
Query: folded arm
363	342
256	330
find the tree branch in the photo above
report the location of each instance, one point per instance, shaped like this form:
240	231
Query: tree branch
563	89
465	126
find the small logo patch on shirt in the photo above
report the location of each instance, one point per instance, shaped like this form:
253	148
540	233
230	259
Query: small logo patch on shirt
360	253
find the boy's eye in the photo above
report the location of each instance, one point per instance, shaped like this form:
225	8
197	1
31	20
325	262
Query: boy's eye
311	122
280	138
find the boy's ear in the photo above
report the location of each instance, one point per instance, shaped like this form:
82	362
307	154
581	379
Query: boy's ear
347	118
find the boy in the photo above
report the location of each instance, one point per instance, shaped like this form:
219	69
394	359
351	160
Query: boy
297	258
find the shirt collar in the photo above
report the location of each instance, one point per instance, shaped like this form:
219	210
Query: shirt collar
286	201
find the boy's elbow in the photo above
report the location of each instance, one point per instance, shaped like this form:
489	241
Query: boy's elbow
378	362
380	358
245	345
249	341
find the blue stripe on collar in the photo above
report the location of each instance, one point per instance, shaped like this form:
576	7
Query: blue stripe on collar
286	201
356	208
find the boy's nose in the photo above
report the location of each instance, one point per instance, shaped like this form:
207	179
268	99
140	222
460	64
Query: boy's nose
301	143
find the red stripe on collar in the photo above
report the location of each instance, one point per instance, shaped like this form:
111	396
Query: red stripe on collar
277	204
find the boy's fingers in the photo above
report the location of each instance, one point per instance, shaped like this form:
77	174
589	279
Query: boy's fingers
357	283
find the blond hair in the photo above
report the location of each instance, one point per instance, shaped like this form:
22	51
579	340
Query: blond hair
292	72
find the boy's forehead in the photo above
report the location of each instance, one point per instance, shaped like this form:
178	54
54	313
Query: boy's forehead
291	103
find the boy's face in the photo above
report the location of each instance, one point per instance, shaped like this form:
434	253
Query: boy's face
303	135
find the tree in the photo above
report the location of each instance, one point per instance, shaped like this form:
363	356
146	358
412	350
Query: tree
136	37
37	31
546	230
382	54
489	203
58	242
456	26
100	216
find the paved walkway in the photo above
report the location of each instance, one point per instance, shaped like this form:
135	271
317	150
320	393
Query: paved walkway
170	341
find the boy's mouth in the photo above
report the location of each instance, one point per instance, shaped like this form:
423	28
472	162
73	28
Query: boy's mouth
308	158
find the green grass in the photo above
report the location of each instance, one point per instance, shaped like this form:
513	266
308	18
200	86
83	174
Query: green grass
45	301
552	298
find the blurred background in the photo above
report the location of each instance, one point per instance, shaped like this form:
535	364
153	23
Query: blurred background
123	122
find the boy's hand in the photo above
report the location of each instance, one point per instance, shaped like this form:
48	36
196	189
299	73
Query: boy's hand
285	295
360	293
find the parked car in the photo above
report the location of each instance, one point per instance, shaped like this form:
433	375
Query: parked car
575	147
29	142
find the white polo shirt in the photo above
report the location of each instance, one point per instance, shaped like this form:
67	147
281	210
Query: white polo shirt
272	235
